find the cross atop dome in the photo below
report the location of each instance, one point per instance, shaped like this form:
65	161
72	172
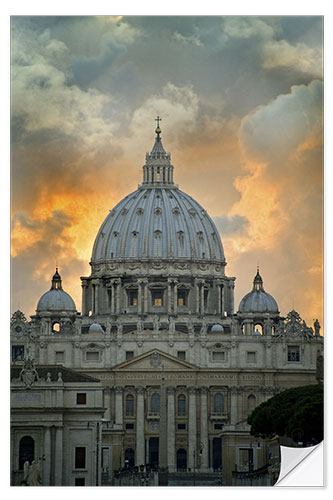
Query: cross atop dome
158	120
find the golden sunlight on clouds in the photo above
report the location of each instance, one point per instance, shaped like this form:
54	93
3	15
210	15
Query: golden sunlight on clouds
259	203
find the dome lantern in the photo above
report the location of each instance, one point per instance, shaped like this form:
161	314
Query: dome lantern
158	171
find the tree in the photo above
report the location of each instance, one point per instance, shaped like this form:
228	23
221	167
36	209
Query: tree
296	413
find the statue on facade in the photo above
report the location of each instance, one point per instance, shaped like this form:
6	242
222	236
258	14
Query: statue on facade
316	327
139	326
33	472
172	326
156	323
203	330
119	329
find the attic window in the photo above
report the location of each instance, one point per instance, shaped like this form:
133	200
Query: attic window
92	356
129	355
181	355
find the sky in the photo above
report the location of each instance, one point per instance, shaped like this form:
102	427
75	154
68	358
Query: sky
241	101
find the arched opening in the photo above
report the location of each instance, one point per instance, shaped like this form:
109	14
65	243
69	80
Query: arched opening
56	327
258	329
129	457
181	405
155	403
218	403
26	451
181	459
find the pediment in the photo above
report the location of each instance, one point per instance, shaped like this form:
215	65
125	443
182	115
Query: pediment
155	360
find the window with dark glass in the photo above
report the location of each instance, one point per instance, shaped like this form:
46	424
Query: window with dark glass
182	297
181	427
133	297
155	403
218	403
80	457
79	481
181	405
293	353
157	297
129	355
17	353
129	426
181	355
81	398
129	405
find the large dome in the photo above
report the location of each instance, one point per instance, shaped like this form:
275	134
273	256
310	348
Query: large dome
56	299
158	223
258	301
158	220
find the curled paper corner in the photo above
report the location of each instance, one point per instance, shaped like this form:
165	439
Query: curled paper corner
302	466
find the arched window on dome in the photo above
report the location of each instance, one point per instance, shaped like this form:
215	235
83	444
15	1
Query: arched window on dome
155	403
56	327
218	403
258	329
251	403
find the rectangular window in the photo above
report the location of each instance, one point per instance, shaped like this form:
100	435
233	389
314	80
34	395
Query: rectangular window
157	297
251	357
218	427
17	353
218	356
181	355
133	298
79	481
293	354
181	297
129	355
81	398
92	356
129	426
60	356
181	427
80	457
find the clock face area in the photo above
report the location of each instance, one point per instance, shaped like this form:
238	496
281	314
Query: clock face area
18	328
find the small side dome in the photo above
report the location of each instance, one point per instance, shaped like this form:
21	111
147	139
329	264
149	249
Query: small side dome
56	299
217	328
95	328
258	301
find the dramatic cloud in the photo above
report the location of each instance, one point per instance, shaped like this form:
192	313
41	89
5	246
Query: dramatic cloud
281	194
241	106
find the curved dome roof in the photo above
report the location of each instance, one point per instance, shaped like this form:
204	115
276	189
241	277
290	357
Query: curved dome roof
258	301
95	328
158	220
56	299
